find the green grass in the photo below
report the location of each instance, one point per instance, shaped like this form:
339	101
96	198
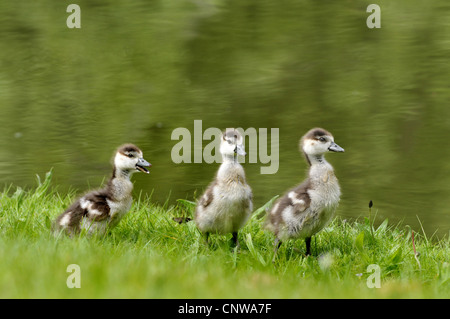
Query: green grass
148	255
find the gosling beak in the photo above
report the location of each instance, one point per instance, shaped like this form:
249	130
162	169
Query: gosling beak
142	164
239	150
335	148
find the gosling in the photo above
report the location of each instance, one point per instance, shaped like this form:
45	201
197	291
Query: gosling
306	209
100	210
226	204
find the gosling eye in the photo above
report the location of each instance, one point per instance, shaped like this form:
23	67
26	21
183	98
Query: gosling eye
322	139
130	155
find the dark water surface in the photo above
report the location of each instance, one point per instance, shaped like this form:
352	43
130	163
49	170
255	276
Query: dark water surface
137	70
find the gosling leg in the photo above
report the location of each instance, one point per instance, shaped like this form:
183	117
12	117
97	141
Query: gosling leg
308	246
235	240
275	250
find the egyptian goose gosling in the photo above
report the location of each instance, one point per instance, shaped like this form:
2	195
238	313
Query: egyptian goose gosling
226	204
102	209
309	207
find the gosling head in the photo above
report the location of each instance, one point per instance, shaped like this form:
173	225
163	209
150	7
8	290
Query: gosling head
232	144
318	142
129	159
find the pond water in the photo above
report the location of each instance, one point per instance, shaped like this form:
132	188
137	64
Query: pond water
136	71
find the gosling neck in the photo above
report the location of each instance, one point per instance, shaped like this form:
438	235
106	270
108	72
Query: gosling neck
121	173
229	159
231	171
316	159
120	185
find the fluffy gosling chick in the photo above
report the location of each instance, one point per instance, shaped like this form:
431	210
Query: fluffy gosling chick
102	209
226	204
309	207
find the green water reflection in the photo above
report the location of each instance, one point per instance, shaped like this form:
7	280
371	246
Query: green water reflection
136	70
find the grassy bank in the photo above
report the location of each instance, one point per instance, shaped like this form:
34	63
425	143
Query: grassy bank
148	255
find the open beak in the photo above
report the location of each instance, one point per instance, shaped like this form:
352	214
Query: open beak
335	148
142	164
239	150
